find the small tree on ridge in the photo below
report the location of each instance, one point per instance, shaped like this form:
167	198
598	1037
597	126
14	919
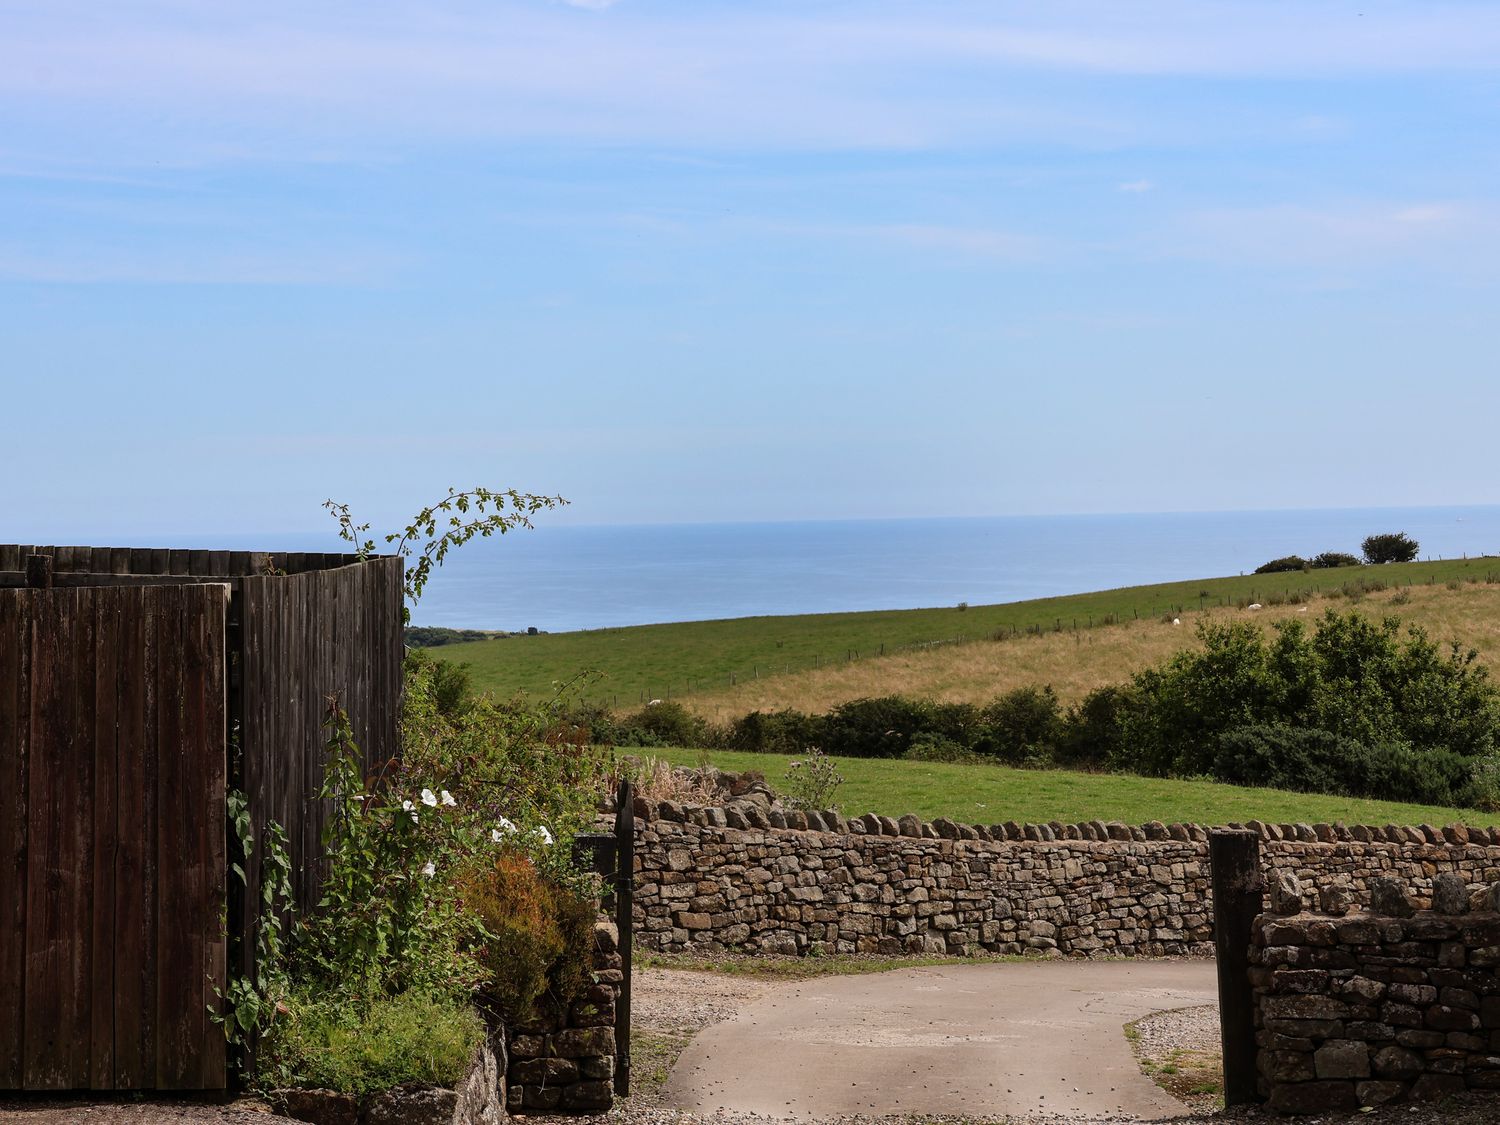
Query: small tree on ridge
1393	547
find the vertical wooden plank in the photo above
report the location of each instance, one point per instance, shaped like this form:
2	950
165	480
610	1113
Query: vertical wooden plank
15	730
106	655
119	560
201	869
79	835
10	555
135	858
140	561
175	1030
253	772
51	879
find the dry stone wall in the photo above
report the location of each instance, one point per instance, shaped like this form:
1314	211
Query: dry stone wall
1385	1005
564	1060
755	878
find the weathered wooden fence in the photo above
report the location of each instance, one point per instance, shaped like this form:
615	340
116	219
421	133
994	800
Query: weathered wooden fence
132	692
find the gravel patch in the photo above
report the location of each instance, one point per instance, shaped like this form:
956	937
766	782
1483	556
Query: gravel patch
70	1110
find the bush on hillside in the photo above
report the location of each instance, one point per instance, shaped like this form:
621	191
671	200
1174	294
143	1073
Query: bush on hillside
928	747
882	727
1392	547
776	732
1328	560
1278	756
1281	566
1092	730
1353	678
666	723
1021	727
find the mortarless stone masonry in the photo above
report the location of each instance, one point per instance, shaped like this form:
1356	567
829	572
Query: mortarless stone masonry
754	878
565	1060
1399	1004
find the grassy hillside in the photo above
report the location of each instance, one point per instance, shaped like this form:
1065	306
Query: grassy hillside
1076	663
993	794
702	660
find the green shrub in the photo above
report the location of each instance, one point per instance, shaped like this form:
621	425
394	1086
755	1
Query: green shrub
1092	731
1023	726
776	732
666	723
1316	761
1391	547
882	727
959	723
1297	758
929	747
1283	565
1354	678
373	1045
1328	560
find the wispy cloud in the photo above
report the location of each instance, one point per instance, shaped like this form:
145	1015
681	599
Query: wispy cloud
845	74
1136	186
1458	238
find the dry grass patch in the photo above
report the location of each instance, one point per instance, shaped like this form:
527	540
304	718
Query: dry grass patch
1075	663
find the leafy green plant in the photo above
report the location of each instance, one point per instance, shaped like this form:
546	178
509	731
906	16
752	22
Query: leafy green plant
813	782
252	1002
325	1042
439	528
383	922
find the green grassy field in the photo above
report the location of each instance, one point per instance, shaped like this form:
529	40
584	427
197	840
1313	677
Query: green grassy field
987	794
668	661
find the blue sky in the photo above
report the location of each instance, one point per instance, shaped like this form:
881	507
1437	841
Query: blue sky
690	261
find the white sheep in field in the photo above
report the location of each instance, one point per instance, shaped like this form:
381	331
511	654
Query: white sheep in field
1253	605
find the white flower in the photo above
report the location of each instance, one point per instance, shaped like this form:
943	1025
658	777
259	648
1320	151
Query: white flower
429	798
448	799
505	825
408	807
429	869
496	835
541	830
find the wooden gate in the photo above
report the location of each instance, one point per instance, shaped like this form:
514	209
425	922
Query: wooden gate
112	848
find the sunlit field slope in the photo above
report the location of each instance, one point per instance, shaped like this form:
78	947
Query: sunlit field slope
724	668
988	794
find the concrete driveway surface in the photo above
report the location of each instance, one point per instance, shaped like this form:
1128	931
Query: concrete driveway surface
983	1040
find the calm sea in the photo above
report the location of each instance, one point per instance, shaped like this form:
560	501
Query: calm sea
564	578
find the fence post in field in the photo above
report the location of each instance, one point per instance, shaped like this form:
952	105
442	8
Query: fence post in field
624	925
1234	865
39	572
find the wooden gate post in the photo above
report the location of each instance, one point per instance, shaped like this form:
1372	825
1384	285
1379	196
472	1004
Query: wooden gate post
1234	863
624	925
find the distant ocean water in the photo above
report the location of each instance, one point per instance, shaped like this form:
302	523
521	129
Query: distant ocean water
566	578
